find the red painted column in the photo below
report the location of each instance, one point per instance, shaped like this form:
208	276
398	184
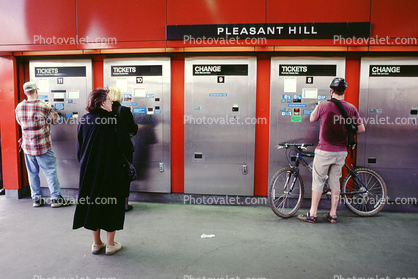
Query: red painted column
177	124
98	72
11	162
352	75
261	158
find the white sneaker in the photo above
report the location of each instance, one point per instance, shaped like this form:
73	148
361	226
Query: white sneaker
96	248
110	250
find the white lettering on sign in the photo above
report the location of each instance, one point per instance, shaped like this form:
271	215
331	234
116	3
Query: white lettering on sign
294	69
124	69
207	69
394	69
47	70
250	31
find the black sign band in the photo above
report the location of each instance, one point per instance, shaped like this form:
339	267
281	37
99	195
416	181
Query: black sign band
269	31
308	70
393	70
224	70
60	71
152	70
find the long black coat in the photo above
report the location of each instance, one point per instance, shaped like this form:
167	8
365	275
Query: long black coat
101	200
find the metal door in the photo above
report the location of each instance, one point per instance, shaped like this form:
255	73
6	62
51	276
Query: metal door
388	105
65	84
219	125
297	84
145	86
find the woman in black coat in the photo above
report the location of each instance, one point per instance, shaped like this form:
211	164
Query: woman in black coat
101	200
128	121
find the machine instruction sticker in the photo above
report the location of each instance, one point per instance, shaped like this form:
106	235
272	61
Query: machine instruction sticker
139	110
290	85
296	118
218	94
139	92
309	93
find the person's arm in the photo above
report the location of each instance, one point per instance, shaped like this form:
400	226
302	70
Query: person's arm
315	114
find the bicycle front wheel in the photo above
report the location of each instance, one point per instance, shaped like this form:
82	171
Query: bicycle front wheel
285	192
368	190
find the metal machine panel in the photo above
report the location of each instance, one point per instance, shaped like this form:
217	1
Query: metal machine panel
65	84
145	86
297	84
388	106
219	125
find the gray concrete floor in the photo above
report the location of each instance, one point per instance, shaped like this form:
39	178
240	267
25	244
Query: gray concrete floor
164	241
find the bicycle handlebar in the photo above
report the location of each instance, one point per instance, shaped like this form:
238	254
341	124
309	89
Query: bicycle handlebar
297	145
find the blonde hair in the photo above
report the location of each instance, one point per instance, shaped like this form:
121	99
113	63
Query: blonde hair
115	94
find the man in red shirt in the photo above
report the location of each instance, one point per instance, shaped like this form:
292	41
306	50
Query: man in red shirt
331	151
35	116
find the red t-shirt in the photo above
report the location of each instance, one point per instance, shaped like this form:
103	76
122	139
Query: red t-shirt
333	132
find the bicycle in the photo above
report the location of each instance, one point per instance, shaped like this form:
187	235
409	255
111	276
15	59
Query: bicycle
362	190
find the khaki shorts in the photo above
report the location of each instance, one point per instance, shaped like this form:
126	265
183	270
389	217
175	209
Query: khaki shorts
327	163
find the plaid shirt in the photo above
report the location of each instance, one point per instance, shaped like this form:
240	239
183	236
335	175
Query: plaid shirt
35	118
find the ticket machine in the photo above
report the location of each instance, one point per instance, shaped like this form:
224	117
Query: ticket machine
145	86
388	104
220	96
65	84
297	84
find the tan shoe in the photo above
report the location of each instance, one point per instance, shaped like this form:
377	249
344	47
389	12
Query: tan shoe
96	248
110	250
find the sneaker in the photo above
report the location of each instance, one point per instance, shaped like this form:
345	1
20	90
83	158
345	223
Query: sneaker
128	208
59	202
331	219
110	250
97	248
308	218
38	202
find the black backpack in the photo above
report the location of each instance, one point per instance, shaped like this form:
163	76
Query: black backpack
349	123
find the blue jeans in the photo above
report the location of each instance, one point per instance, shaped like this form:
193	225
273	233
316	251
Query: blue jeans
48	164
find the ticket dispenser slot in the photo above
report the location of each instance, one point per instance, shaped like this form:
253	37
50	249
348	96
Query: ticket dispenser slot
296	86
65	84
145	85
219	92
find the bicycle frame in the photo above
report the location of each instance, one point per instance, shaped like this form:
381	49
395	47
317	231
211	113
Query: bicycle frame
299	158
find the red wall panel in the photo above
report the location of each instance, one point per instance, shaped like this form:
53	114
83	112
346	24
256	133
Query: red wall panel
9	127
36	22
394	18
261	159
317	11
125	20
184	12
177	124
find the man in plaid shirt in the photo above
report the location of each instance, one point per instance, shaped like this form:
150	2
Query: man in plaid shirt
35	116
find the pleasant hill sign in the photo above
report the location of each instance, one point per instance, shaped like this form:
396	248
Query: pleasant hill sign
270	30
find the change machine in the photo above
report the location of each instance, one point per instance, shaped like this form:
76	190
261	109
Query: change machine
297	84
220	95
65	84
389	107
145	86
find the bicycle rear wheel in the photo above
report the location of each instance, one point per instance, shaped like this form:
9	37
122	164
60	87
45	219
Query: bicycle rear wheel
285	192
368	202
